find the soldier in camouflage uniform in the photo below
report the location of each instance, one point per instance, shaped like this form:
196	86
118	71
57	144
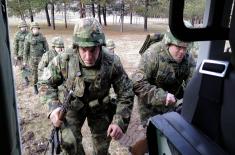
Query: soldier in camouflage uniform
19	47
57	47
89	71
163	70
35	46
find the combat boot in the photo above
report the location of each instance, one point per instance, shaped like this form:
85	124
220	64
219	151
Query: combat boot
35	89
26	81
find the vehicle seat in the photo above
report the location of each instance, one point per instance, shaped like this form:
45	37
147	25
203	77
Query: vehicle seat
212	109
207	122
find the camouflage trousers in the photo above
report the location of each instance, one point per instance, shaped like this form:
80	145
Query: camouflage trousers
98	124
34	61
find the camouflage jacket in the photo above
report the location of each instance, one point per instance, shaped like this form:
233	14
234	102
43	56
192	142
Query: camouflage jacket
46	58
158	74
34	46
19	43
65	69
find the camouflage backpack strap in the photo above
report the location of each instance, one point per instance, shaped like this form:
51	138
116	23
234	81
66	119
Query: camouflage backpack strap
41	39
24	36
111	72
28	37
110	60
159	49
75	80
157	67
65	70
48	58
150	39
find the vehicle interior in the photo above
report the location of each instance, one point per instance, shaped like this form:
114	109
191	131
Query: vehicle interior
207	122
9	131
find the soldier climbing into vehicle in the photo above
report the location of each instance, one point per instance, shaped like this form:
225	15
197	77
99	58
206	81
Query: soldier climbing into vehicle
89	71
163	72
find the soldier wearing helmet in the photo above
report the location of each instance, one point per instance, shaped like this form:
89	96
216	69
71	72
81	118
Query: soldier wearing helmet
159	81
34	47
57	48
110	45
34	27
89	71
18	46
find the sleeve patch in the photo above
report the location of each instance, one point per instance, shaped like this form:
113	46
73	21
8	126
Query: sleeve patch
138	76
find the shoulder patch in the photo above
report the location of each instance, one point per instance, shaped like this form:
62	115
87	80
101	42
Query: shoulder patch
137	76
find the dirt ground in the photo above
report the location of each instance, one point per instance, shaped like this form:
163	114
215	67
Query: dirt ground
34	125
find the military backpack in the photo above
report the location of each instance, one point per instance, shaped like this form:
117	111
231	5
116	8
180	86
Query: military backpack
151	39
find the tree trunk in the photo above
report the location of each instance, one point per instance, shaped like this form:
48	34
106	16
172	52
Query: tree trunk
200	20
82	10
65	16
53	15
194	20
31	14
22	16
104	15
131	11
47	15
146	15
131	18
93	8
99	16
122	15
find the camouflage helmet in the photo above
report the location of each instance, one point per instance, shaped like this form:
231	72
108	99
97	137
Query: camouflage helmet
87	33
34	25
22	24
110	44
58	42
170	39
